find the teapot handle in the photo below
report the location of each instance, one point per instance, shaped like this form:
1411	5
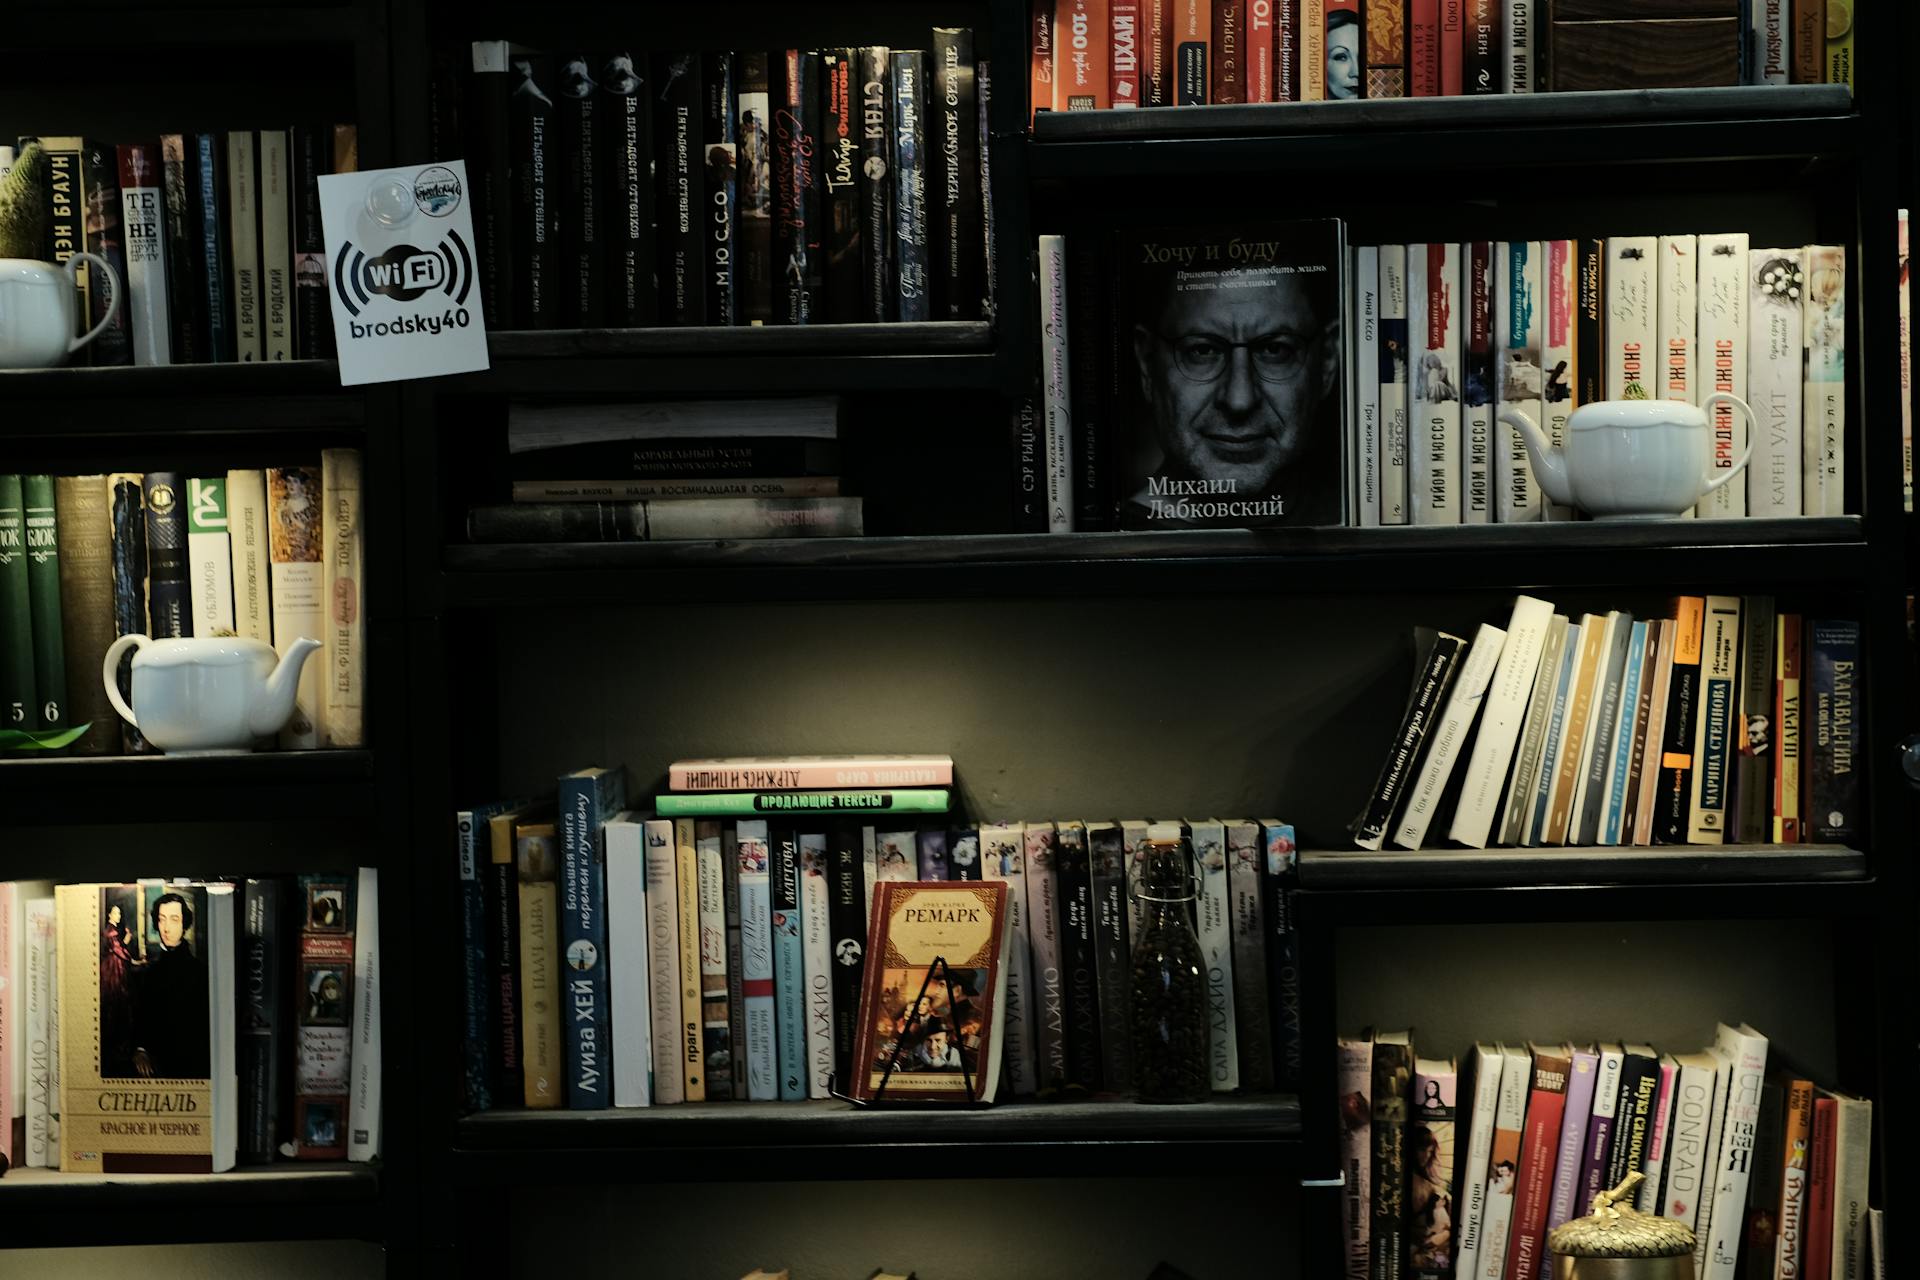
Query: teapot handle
110	672
103	270
1752	426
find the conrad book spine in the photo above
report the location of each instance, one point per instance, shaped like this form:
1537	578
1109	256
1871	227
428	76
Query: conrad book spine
679	176
624	174
842	226
878	290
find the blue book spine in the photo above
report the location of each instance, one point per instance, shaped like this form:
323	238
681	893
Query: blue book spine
751	847
909	71
933	854
210	204
586	799
1550	750
1623	735
1832	748
789	967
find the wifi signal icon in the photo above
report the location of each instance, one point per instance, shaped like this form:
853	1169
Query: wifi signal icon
403	273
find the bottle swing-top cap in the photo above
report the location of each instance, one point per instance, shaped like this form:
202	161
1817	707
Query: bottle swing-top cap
1615	1229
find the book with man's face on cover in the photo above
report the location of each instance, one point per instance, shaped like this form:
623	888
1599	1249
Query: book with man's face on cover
1229	394
927	1030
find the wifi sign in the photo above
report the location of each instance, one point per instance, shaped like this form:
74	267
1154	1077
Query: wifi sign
404	273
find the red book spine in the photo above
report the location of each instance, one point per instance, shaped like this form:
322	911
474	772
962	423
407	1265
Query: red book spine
1126	53
1286	51
1229	67
1453	26
1258	42
1155	73
1817	1256
1423	49
1040	65
1539	1148
1806	65
1083	31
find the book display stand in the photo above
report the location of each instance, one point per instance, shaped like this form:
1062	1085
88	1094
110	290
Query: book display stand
880	1098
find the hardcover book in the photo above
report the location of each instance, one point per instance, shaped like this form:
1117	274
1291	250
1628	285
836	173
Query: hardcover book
543	1065
343	600
1671	814
1233	409
1700	1090
800	773
1480	1091
1364	478
142	206
1252	1016
312	319
1112	956
1522	784
1433	421
1545	1109
213	253
86	597
363	1099
911	263
931	854
816	952
1216	945
847	947
624	175
534	216
1675	318
470	826
169	596
243	228
500	894
1561	292
578	279
1433	678
716	1024
128	514
662	868
1443	745
931	1012
1385	44
105	236
955	112
1056	385
689	1038
210	557
324	997
878	290
1788	718
680	179
1632	283
1714	741
842	225
731	804
35	557
186	293
1512	683
1603	1122
276	247
1003	850
249	542
1279	877
1744	1050
490	145
1227	79
1582	1077
1750	819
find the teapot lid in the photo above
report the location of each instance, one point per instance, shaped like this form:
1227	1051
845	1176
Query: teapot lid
203	651
1636	413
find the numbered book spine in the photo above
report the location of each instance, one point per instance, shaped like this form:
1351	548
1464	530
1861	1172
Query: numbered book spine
816	963
847	947
363	1099
543	1065
578	122
143	209
689	1033
629	980
30	548
298	586
1833	771
789	963
1433	301
1356	1156
843	227
85	534
1247	921
1056	383
1043	916
1713	742
879	291
1722	362
210	556
1632	280
716	1023
127	512
754	267
276	245
679	178
342	710
1392	379
243	226
1776	284
1560	294
1671	824
910	264
1477	464
1517	298
186	297
624	174
312	320
1366	318
1788	728
169	593
105	235
663	963
954	113
1824	325
214	254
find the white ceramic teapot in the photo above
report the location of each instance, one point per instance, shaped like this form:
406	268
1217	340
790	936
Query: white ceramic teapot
204	696
1631	459
37	305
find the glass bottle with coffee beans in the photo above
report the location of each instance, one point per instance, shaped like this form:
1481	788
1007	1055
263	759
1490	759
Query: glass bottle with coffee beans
1169	982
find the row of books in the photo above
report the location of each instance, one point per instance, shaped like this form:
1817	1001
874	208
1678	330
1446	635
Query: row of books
1088	55
1725	722
216	239
184	1027
795	186
1466	1168
746	981
274	554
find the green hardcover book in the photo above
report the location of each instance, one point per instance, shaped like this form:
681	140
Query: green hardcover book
86	607
16	616
749	803
43	594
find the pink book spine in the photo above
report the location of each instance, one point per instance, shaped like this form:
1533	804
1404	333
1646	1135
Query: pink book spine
776	774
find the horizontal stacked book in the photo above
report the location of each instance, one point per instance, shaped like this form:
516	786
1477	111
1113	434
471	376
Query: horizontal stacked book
1088	55
187	1026
274	555
215	238
1723	722
1465	1167
787	186
672	470
766	885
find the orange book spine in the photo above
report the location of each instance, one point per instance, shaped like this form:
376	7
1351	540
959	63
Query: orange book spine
1227	77
1795	1157
1259	59
1084	31
1040	63
1808	62
1786	729
1192	41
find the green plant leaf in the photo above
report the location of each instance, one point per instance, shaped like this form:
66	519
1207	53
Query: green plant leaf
26	740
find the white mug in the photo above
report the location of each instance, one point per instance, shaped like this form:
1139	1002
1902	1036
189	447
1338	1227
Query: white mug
37	303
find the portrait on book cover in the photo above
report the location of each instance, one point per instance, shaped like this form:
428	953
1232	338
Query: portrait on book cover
154	1017
1231	397
926	1029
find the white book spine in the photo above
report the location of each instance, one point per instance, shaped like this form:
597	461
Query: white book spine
1506	707
1043	927
663	960
1722	362
209	557
1004	850
1472	1215
1626	715
1510	1117
1747	1051
1433	424
1824	324
276	258
1526	761
1710	1173
1522	40
299	589
1659	1137
247	534
1392	376
1449	732
1518	373
223	944
1559	292
1675	322
869	868
1216	945
1367	377
243	223
1631	283
143	207
816	950
1776	279
1688	1158
1477	362
38	993
363	1105
628	982
1771	41
1055	386
342	699
756	966
1852	1171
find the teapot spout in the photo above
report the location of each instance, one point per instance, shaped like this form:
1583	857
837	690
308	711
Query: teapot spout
274	705
1549	463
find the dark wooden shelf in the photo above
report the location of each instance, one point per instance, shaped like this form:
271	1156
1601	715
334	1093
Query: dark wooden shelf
1631	126
1826	552
268	786
1534	868
200	401
43	26
774	1140
44	1208
938	355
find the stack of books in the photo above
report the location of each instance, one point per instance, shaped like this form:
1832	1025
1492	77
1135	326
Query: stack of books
1724	722
672	470
244	553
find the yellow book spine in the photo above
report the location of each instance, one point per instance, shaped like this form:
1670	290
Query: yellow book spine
540	994
691	1016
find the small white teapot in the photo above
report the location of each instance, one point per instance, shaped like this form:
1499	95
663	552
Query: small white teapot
1631	459
38	302
203	696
